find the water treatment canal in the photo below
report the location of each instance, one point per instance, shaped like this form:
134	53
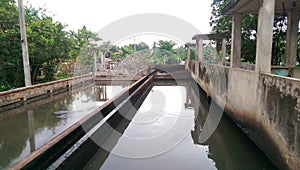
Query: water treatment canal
164	133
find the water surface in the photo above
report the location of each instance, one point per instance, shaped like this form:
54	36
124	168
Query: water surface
26	128
165	134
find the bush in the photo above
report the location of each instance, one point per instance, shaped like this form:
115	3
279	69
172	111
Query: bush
4	86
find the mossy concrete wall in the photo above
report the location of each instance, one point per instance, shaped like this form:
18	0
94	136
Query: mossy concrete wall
12	98
266	106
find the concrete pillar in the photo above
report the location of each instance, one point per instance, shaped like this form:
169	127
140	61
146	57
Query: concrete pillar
197	71
223	51
188	57
199	50
201	56
265	36
292	38
236	43
102	56
218	49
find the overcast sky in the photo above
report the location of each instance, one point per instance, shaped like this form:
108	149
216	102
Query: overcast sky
96	14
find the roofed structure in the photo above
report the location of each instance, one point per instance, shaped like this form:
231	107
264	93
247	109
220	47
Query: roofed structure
252	6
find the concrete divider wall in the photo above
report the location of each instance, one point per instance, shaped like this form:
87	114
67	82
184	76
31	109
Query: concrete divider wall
133	96
26	93
266	106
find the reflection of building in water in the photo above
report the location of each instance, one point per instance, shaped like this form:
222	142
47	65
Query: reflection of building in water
188	100
30	116
101	93
228	146
201	112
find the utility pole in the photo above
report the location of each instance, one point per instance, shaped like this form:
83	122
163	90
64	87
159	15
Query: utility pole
24	44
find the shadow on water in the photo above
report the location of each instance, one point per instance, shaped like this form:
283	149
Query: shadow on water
228	148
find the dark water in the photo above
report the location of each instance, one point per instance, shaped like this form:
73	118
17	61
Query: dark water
166	134
26	128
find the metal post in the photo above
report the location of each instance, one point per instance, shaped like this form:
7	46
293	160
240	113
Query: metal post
24	44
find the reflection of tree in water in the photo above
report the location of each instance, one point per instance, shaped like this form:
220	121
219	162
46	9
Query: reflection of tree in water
47	119
87	96
16	132
101	93
13	140
228	146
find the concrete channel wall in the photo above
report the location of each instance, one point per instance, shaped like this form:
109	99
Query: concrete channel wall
15	97
266	106
111	111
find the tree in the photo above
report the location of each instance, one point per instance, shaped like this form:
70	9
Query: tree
142	46
219	22
166	45
48	45
279	35
10	53
222	24
164	52
83	37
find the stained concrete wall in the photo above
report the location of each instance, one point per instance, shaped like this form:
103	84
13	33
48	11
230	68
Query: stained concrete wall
265	105
296	73
17	96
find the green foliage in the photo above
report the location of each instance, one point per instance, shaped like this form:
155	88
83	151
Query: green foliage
218	22
10	53
4	86
82	39
49	45
181	53
166	53
279	35
131	48
127	49
222	24
141	46
166	45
